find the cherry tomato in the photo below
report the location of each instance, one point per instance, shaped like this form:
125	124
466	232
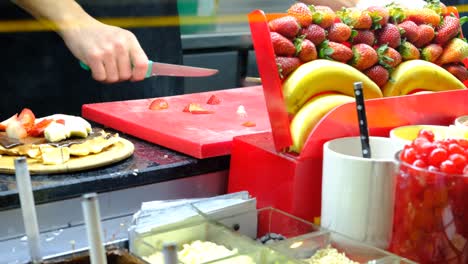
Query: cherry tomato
27	119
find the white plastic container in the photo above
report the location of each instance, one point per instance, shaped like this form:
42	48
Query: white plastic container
357	192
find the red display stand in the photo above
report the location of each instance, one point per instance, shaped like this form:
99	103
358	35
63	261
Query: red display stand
292	182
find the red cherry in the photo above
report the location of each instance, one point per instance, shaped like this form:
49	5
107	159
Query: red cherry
459	160
455	148
425	133
437	156
447	166
463	143
408	155
420	163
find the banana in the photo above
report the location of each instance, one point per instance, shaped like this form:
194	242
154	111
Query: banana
310	114
321	75
419	74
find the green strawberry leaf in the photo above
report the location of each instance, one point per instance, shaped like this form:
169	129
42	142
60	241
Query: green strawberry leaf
354	33
317	17
298	44
463	20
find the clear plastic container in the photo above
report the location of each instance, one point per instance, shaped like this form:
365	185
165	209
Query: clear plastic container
431	216
192	238
304	247
274	221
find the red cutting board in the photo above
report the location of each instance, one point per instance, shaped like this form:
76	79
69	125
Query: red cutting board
197	135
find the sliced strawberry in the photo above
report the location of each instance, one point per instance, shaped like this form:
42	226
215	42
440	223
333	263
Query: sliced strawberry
213	100
195	108
60	121
27	119
159	104
4	124
249	124
38	129
16	130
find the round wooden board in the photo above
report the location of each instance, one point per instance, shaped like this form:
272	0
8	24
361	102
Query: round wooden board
117	152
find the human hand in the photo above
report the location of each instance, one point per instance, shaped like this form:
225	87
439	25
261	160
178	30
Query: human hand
113	54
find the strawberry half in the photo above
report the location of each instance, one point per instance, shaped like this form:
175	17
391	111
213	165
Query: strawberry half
158	104
195	108
213	100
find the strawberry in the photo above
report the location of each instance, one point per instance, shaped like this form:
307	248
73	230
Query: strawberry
339	32
425	36
457	70
439	7
397	13
408	51
355	18
323	16
388	57
302	13
447	30
378	74
213	100
363	36
314	33
455	51
390	35
431	52
286	65
409	30
379	15
196	109
305	49
335	51
364	56
286	26
281	45
159	104
423	16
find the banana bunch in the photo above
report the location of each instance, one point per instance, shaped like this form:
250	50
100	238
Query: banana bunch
317	87
311	113
419	74
320	76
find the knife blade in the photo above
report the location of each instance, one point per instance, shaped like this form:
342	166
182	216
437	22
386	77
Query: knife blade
174	70
166	69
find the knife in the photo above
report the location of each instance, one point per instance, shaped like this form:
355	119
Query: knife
175	70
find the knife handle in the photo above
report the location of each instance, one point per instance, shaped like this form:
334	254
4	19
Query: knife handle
147	75
84	66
